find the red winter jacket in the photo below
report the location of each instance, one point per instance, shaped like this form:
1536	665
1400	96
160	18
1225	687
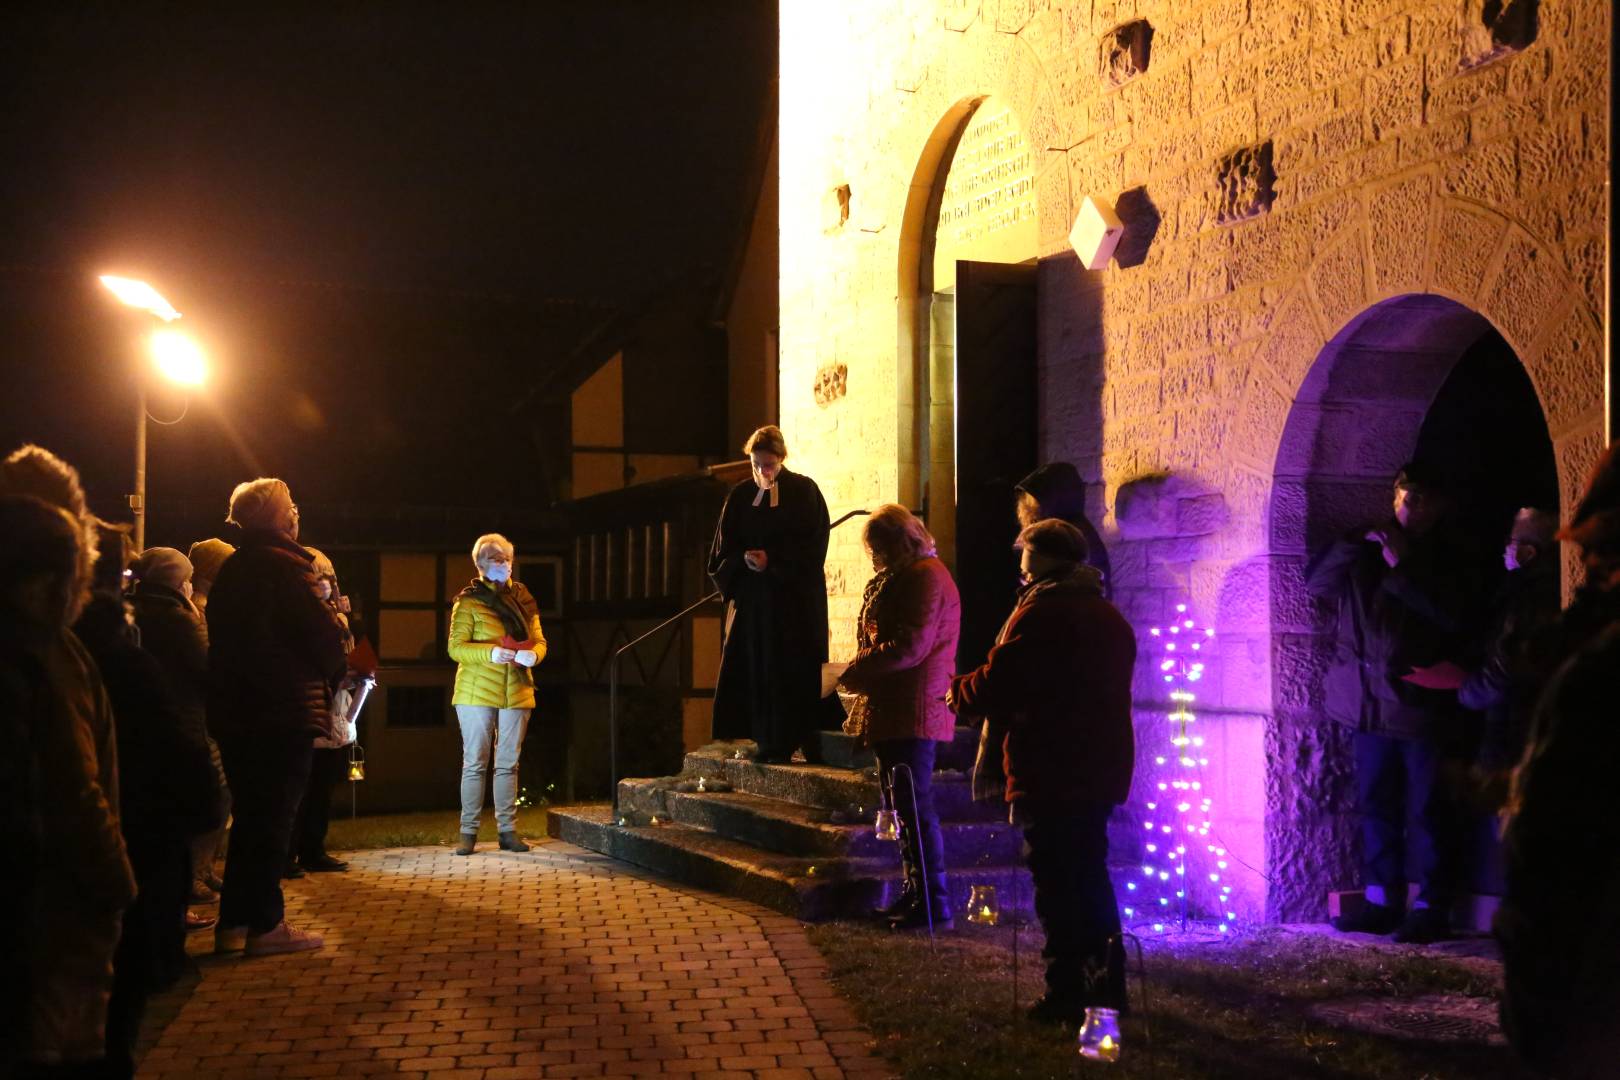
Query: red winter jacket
1058	682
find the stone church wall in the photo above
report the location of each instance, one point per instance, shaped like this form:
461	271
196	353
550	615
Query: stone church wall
1283	167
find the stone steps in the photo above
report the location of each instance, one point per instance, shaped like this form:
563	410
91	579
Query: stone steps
806	887
798	838
791	829
825	786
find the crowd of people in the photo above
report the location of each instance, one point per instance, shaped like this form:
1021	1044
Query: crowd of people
153	698
1053	697
1456	698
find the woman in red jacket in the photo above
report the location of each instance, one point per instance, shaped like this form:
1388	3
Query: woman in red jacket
909	621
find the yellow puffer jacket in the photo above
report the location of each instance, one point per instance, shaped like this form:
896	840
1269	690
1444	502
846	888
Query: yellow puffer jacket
475	629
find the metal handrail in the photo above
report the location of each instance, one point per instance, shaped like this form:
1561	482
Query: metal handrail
613	675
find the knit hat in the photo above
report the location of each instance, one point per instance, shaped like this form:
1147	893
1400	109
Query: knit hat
207	556
164	566
1055	539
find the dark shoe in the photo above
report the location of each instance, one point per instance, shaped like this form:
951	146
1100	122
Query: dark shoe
292	870
899	905
1424	926
468	842
915	917
324	865
510	841
1369	919
1058	1009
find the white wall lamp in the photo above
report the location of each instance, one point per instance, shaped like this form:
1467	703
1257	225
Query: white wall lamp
1096	233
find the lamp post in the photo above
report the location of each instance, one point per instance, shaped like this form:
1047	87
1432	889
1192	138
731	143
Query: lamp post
176	356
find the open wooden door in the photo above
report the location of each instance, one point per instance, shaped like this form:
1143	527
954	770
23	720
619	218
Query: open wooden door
995	441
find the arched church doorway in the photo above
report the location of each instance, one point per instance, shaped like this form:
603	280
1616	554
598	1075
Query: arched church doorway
1414	377
967	350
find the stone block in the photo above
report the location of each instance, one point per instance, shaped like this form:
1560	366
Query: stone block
1568	370
1145	508
1339	280
958	15
1395	98
1551	156
1488	172
1465	241
1525	292
1292	344
1201	514
1258	425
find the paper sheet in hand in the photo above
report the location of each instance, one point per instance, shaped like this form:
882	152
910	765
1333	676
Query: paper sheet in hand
830	674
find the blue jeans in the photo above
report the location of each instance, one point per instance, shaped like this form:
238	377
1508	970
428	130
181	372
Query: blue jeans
481	725
1406	815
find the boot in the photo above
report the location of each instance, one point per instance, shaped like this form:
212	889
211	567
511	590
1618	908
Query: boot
468	841
909	893
511	842
915	917
908	890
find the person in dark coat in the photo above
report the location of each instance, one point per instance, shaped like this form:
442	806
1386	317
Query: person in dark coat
69	877
1507	681
168	795
174	633
1559	921
909	622
1055	693
1405	600
767	560
73	896
275	653
205	558
1055	490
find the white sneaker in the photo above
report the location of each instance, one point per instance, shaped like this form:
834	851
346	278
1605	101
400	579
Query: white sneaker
283	939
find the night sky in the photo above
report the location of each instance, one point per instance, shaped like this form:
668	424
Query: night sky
384	220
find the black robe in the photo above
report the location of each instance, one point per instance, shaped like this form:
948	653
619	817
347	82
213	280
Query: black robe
769	687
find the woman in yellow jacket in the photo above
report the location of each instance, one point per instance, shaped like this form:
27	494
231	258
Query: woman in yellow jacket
495	640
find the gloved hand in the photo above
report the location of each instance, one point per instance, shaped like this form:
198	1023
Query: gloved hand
498	655
527	657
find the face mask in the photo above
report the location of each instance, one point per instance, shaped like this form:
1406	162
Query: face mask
498	572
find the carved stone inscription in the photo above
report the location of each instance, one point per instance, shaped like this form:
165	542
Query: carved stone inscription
1247	184
990	189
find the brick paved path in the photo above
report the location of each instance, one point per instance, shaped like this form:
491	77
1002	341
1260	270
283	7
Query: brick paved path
553	963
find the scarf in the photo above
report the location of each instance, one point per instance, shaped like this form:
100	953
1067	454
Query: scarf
857	721
514	611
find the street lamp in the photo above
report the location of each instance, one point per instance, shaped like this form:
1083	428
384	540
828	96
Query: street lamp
177	358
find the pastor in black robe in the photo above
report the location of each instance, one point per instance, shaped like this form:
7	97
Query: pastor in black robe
769	687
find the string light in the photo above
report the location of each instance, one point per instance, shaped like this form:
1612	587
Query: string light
1182	852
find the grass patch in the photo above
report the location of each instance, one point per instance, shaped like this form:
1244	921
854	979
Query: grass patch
1230	1008
424	829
